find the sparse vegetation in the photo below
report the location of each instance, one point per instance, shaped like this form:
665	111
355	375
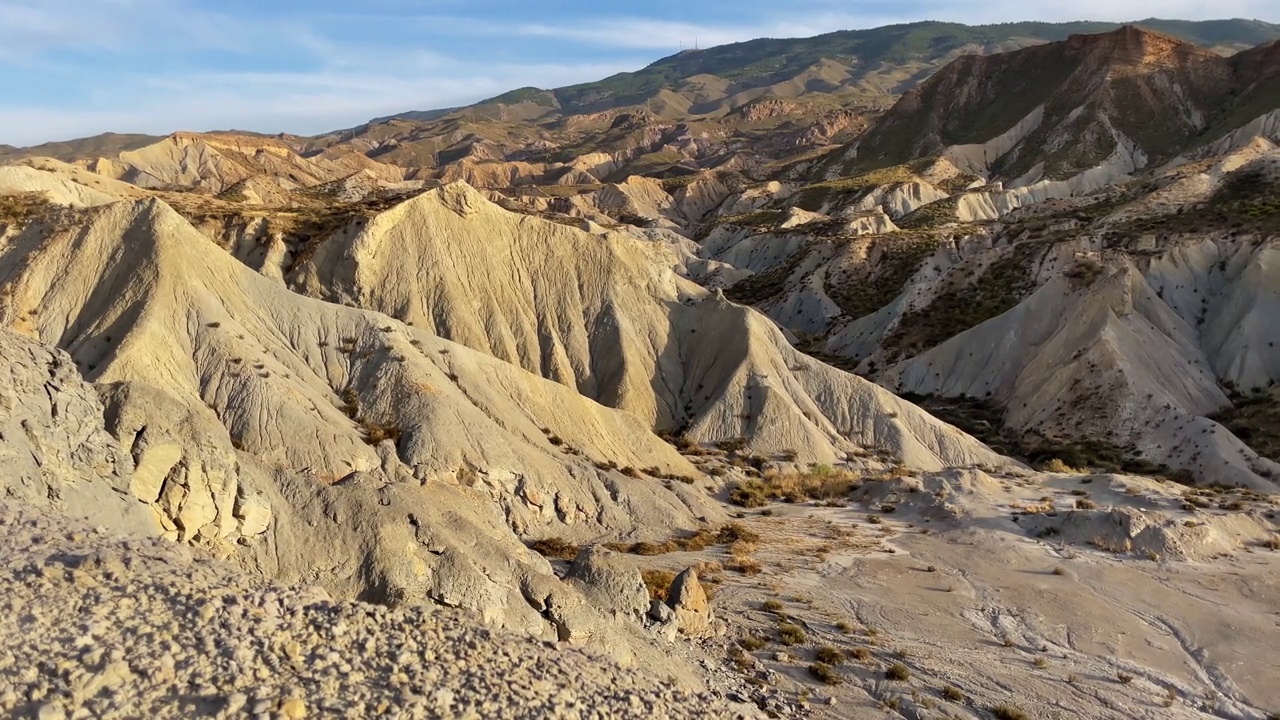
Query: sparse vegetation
1056	465
825	674
21	207
557	548
791	634
1008	712
951	694
818	483
658	582
898	672
829	655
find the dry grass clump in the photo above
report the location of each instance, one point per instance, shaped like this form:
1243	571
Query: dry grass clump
791	634
772	606
736	532
375	433
746	566
818	483
741	541
1008	712
752	643
898	672
555	548
829	655
19	207
952	694
1086	504
1057	465
658	582
825	674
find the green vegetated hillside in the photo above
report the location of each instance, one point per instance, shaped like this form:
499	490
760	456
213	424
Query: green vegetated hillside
873	55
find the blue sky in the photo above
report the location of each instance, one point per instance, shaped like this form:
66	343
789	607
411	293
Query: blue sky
70	68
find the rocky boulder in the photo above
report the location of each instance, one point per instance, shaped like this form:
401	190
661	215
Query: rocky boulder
53	447
689	602
610	582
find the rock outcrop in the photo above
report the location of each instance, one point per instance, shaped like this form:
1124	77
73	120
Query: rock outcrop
53	448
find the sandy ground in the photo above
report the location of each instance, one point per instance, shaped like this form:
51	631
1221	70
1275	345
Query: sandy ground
1050	628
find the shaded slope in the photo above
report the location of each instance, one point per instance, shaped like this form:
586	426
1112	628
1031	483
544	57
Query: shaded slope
1074	103
606	315
141	297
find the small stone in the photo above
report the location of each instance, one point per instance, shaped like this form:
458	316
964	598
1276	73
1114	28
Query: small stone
294	709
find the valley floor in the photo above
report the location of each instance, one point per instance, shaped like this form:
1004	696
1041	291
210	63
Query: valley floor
975	618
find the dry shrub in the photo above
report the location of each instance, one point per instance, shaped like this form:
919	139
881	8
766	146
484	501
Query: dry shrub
829	655
746	566
818	483
707	568
19	207
555	548
735	532
374	433
650	549
825	674
1008	712
791	634
658	582
1057	465
898	672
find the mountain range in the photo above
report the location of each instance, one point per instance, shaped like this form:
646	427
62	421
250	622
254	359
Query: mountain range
889	371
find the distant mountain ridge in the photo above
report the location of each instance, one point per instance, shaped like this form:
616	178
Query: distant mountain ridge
873	54
1059	109
742	107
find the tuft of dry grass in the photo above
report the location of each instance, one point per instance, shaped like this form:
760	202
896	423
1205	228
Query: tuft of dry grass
791	634
658	582
22	206
952	694
1008	712
818	483
1057	465
555	548
825	674
898	673
829	655
746	566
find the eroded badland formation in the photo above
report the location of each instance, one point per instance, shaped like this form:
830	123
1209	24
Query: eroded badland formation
927	371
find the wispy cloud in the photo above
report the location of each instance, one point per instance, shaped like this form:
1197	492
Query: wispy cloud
77	67
301	102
